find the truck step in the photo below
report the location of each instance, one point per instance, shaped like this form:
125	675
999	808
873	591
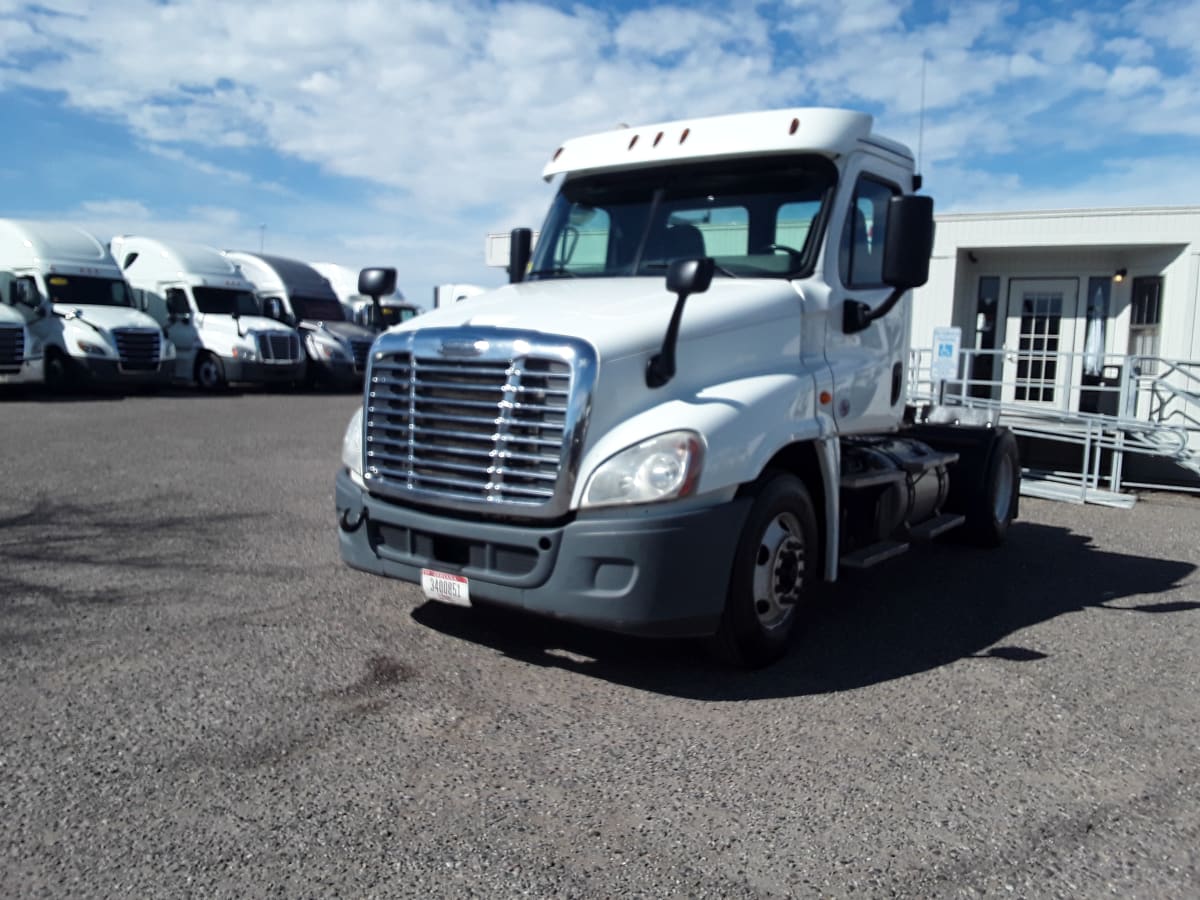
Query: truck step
873	555
931	528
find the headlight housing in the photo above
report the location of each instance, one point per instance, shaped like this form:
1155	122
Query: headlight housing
168	350
664	467
244	353
91	348
352	449
324	348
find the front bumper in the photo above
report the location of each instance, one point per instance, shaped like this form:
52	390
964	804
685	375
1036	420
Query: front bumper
30	371
109	371
338	373
661	574
263	372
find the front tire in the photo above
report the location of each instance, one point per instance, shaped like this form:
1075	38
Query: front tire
59	371
209	374
775	563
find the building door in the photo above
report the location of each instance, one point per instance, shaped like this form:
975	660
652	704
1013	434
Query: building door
1041	367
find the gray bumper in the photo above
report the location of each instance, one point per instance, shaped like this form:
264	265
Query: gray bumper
659	574
109	371
263	372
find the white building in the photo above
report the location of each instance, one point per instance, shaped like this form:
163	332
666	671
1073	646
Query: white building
1098	282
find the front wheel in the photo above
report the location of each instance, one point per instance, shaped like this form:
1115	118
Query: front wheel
210	376
59	371
775	563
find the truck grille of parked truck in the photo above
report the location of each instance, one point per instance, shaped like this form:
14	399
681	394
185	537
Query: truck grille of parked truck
140	349
279	347
12	348
486	421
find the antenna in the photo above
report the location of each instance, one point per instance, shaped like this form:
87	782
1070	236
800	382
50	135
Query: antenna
921	119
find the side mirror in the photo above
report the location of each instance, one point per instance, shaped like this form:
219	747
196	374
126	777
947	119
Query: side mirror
907	246
273	309
684	277
909	241
377	282
520	249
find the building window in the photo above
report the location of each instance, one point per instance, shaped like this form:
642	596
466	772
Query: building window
1096	325
1145	319
986	305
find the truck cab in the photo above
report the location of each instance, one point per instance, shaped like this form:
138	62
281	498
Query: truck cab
292	292
392	308
77	306
20	352
209	312
688	405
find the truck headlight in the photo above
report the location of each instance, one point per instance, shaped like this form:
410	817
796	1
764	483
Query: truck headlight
352	451
662	468
168	350
326	349
244	353
91	349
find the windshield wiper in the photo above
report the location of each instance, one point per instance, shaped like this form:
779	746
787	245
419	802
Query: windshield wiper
553	272
716	265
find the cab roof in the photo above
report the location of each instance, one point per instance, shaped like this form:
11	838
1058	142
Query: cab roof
27	243
829	132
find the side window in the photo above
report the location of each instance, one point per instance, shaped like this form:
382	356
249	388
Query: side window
177	303
860	261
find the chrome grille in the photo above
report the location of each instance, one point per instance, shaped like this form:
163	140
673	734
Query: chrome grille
139	348
12	348
278	347
361	350
477	420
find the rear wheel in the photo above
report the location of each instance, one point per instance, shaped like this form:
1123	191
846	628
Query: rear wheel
209	374
993	506
775	562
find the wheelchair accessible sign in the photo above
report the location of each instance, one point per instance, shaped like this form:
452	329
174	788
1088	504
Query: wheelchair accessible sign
946	344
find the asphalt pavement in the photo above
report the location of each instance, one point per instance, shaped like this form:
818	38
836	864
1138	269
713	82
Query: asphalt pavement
199	699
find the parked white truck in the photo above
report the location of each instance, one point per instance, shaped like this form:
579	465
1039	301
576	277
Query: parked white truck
209	312
20	352
294	293
688	406
77	306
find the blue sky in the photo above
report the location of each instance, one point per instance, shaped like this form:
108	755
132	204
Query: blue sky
369	132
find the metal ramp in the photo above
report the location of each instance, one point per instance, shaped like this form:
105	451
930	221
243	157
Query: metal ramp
1149	406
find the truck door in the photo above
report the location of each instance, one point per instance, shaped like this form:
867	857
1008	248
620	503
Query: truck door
869	366
182	330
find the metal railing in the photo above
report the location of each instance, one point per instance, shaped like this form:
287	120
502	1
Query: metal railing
1108	406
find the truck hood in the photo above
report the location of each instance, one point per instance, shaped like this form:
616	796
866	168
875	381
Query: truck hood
107	317
9	316
345	330
226	324
618	316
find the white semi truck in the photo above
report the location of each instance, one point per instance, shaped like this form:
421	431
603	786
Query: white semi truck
77	306
20	352
292	292
688	406
209	312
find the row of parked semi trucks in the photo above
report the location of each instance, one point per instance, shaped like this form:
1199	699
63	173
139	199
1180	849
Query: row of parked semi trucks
144	311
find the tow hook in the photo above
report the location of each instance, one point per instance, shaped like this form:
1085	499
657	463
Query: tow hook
352	525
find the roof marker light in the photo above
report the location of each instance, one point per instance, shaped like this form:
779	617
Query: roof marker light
557	154
795	126
683	137
657	138
632	141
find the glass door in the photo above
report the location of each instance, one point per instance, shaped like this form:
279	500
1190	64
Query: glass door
1041	326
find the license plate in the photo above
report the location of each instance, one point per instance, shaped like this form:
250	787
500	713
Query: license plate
445	587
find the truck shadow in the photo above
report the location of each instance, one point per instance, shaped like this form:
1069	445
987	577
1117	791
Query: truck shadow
930	608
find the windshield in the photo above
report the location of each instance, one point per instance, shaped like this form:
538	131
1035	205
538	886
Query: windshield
318	308
396	314
225	302
88	291
756	218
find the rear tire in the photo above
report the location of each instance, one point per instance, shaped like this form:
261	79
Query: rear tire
775	562
209	374
993	504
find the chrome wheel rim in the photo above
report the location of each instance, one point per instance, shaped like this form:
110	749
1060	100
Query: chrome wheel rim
778	571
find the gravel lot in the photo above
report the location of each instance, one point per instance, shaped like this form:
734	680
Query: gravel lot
200	699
